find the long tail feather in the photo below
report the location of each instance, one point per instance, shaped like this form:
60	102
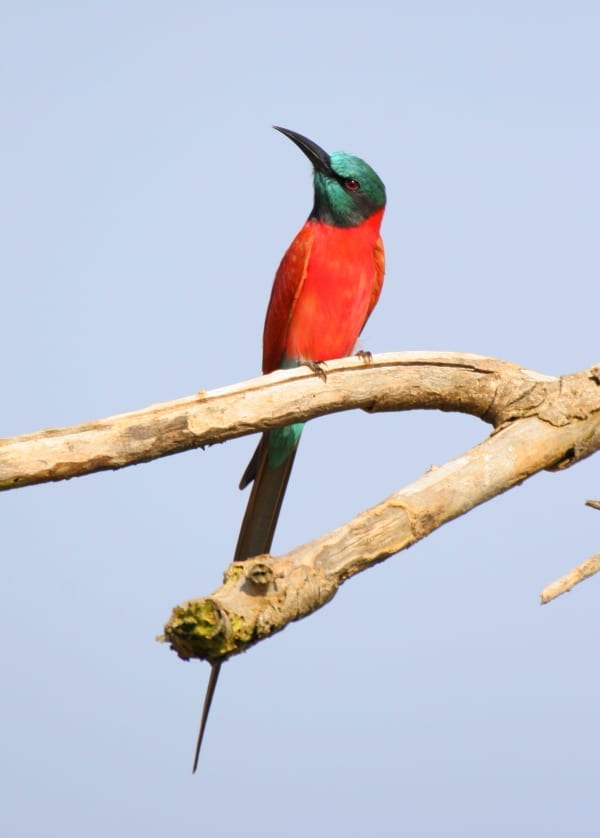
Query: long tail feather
256	536
264	503
208	697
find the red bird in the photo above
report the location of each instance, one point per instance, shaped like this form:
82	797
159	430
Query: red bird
325	288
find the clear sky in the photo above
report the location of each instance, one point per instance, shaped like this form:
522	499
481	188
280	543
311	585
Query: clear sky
145	204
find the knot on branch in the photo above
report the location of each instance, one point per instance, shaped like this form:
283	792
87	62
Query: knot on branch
258	597
259	578
557	401
198	629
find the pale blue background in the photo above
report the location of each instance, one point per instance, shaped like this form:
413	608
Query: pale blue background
145	202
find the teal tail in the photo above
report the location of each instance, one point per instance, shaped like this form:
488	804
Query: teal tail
270	469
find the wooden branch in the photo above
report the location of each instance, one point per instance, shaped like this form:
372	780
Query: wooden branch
261	596
495	391
578	574
541	423
583	571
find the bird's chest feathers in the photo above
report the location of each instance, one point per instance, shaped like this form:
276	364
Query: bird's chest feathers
333	304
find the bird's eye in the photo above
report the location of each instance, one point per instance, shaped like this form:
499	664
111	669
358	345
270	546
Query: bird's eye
351	184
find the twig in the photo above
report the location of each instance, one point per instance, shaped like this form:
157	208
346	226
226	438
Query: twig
572	578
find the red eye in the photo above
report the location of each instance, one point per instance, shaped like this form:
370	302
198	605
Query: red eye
351	184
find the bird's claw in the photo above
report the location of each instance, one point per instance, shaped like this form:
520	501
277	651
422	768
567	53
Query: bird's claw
318	368
365	356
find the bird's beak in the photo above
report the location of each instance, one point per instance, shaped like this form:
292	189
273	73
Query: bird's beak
317	156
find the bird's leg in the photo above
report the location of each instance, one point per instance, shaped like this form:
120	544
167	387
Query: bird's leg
365	356
317	367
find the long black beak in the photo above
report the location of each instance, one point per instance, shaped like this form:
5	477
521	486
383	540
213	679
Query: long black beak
317	156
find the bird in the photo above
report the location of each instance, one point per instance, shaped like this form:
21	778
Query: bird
327	284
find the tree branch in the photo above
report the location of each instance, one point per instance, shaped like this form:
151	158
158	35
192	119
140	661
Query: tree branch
496	391
561	586
578	574
541	422
260	597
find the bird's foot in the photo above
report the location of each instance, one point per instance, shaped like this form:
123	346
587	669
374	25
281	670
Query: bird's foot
318	367
365	357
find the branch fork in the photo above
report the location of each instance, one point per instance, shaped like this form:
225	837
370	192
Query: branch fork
540	422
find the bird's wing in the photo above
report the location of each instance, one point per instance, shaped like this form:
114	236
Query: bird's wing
379	256
287	287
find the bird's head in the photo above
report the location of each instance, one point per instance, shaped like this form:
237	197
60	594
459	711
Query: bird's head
347	190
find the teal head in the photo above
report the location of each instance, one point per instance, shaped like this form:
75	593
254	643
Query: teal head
347	190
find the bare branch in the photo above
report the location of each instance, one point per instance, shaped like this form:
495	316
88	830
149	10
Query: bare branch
495	391
541	423
572	578
260	597
583	571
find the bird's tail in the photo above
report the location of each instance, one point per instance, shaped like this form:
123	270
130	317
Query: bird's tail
264	504
270	469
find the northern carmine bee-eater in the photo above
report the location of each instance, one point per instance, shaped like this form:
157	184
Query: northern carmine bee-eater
325	288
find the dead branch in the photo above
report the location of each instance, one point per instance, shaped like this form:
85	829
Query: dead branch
496	391
578	574
260	597
541	422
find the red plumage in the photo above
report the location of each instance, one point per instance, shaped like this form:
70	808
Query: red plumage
326	286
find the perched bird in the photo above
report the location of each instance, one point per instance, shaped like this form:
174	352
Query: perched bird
325	288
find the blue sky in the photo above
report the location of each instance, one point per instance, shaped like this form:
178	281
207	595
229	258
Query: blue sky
145	205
